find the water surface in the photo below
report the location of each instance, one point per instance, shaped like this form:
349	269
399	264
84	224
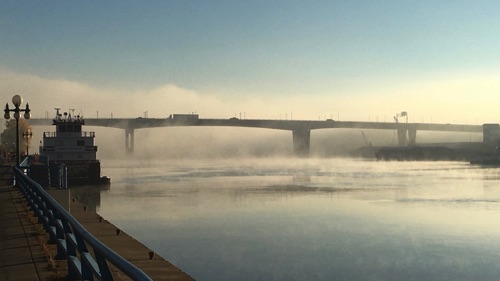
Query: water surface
311	219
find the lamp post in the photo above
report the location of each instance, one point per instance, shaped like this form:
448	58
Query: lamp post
17	101
27	135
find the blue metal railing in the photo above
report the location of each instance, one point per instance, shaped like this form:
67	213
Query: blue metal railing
72	238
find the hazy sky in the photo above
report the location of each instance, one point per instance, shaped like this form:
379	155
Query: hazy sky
353	60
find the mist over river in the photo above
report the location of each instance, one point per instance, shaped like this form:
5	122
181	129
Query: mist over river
311	219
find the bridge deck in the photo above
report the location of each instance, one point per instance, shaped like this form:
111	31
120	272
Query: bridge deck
301	129
140	123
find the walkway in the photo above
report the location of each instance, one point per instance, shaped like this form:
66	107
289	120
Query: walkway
21	256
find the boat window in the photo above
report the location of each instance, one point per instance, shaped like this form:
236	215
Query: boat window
62	128
59	142
80	143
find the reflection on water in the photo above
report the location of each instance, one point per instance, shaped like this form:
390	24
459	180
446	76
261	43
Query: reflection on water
305	219
88	195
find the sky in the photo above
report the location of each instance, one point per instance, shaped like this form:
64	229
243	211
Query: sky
310	60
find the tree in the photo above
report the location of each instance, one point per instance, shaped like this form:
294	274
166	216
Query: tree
8	136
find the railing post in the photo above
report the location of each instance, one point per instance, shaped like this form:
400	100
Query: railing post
52	224
70	252
103	267
87	273
60	235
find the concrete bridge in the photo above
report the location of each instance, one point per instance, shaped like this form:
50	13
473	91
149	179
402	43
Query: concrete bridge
301	129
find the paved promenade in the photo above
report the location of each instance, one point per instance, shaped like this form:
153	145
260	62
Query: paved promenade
21	256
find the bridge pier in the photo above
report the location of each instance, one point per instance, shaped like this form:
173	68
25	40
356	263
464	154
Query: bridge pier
403	140
301	142
412	137
402	136
129	140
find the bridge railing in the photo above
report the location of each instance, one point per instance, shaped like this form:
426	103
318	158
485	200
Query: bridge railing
72	239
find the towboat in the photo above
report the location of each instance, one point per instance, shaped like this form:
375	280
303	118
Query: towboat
72	150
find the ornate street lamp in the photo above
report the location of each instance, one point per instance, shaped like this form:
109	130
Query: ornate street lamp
17	101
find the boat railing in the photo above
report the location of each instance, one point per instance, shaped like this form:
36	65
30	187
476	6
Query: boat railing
88	134
72	239
49	134
54	134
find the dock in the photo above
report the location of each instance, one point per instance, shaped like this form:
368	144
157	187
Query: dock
123	244
24	255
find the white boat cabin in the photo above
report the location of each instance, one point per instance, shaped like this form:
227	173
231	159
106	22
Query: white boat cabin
68	143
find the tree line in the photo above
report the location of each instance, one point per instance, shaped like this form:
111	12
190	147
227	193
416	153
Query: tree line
8	137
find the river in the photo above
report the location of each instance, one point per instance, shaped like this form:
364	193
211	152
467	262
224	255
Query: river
311	219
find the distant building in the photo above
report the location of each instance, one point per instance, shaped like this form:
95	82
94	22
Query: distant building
491	133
